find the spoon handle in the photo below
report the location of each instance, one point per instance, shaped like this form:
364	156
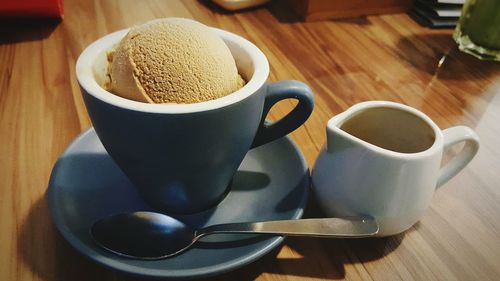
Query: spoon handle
354	227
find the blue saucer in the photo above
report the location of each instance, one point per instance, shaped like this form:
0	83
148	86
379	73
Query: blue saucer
272	183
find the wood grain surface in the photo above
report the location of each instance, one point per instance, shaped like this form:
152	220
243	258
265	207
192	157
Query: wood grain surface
387	57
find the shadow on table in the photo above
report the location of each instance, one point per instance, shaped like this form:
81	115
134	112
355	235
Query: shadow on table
335	254
50	257
26	29
438	55
47	254
326	258
63	263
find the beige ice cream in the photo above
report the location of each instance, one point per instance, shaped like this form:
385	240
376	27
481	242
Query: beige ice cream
172	60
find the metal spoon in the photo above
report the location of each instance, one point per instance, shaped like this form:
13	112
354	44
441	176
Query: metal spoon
151	236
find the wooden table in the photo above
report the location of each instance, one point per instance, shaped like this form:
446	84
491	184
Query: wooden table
386	57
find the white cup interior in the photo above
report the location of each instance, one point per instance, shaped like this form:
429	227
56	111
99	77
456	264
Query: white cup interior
391	128
92	64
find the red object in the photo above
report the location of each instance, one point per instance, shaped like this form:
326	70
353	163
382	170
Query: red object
31	8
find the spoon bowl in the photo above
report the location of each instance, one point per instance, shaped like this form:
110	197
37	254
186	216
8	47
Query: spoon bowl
152	236
144	235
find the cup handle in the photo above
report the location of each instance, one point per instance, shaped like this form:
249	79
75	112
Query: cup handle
453	136
291	89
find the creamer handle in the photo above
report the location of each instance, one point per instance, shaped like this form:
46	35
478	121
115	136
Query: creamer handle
453	136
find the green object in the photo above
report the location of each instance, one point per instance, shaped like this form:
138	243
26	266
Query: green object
478	30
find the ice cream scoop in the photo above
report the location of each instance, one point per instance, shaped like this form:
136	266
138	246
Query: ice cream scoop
172	60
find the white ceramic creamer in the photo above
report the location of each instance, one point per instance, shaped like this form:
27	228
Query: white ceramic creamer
384	159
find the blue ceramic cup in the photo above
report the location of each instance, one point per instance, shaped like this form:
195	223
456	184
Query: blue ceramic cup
182	157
